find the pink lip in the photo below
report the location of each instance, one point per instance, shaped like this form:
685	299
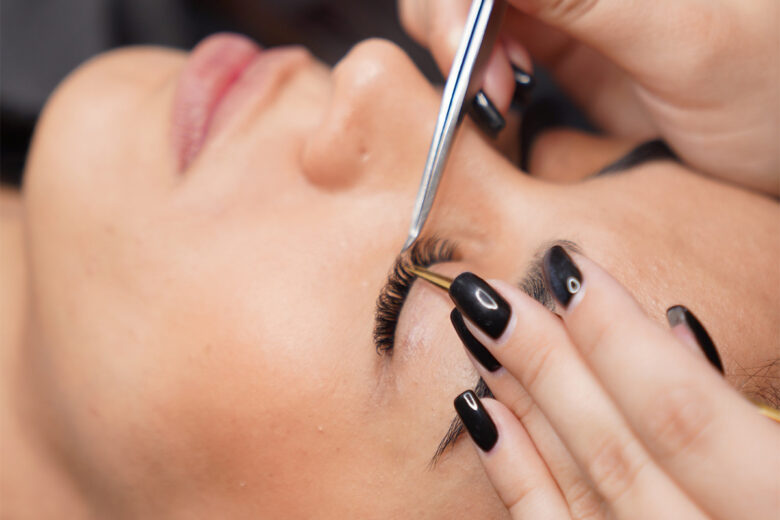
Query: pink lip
224	73
214	66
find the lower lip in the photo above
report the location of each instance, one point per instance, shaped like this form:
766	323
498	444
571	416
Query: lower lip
223	74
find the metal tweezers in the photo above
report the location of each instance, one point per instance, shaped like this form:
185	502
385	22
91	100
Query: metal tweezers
463	83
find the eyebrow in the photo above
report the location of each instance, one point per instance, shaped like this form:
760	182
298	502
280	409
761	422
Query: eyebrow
653	150
534	285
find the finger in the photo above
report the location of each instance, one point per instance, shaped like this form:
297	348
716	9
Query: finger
581	498
680	319
499	83
511	461
532	344
638	37
438	26
603	90
707	437
583	501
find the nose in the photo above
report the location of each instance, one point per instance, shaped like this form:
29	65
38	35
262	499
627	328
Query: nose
378	123
375	137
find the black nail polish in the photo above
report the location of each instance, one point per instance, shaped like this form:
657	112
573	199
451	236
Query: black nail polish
486	115
480	303
476	348
476	420
524	85
563	277
679	314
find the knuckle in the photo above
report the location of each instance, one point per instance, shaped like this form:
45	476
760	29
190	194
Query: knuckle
536	359
615	465
600	332
677	419
519	496
521	405
565	11
584	503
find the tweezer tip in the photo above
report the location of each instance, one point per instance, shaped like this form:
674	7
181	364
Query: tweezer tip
410	240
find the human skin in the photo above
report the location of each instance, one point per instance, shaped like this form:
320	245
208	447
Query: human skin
702	75
197	341
647	416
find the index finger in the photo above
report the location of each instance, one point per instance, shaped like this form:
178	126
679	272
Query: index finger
694	424
438	25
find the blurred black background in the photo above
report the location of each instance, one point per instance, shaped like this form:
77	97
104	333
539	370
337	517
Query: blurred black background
41	41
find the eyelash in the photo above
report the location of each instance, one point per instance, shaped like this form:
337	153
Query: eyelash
388	306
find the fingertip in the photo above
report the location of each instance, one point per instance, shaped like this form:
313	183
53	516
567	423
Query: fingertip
509	430
517	471
517	54
502	416
499	82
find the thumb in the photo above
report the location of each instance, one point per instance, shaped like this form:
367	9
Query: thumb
438	25
641	37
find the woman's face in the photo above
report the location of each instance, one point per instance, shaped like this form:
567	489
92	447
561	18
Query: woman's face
206	252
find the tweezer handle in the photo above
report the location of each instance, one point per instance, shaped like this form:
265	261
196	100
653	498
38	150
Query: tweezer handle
463	82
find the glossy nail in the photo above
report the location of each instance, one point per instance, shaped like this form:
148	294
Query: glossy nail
473	345
563	277
524	85
476	420
486	115
480	303
678	315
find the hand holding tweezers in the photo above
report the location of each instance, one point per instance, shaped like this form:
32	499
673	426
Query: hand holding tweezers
463	82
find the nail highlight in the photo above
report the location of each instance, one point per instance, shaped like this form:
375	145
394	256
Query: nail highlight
473	345
680	315
475	418
563	277
480	303
486	115
524	85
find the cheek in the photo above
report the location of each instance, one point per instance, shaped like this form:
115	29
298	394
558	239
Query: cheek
88	161
175	364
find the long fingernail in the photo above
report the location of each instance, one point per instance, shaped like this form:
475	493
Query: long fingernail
473	345
524	85
678	315
476	419
486	115
480	303
563	277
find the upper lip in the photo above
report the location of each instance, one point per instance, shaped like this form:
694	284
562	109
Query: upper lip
212	69
222	68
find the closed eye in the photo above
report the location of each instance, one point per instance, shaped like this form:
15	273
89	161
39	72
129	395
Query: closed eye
424	252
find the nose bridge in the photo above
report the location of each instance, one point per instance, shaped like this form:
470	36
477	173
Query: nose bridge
376	134
378	125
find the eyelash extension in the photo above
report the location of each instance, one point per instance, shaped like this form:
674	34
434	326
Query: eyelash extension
424	253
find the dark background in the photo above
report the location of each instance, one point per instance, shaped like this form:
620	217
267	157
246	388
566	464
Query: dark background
41	41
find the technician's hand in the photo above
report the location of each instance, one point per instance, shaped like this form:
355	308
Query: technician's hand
620	416
701	74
